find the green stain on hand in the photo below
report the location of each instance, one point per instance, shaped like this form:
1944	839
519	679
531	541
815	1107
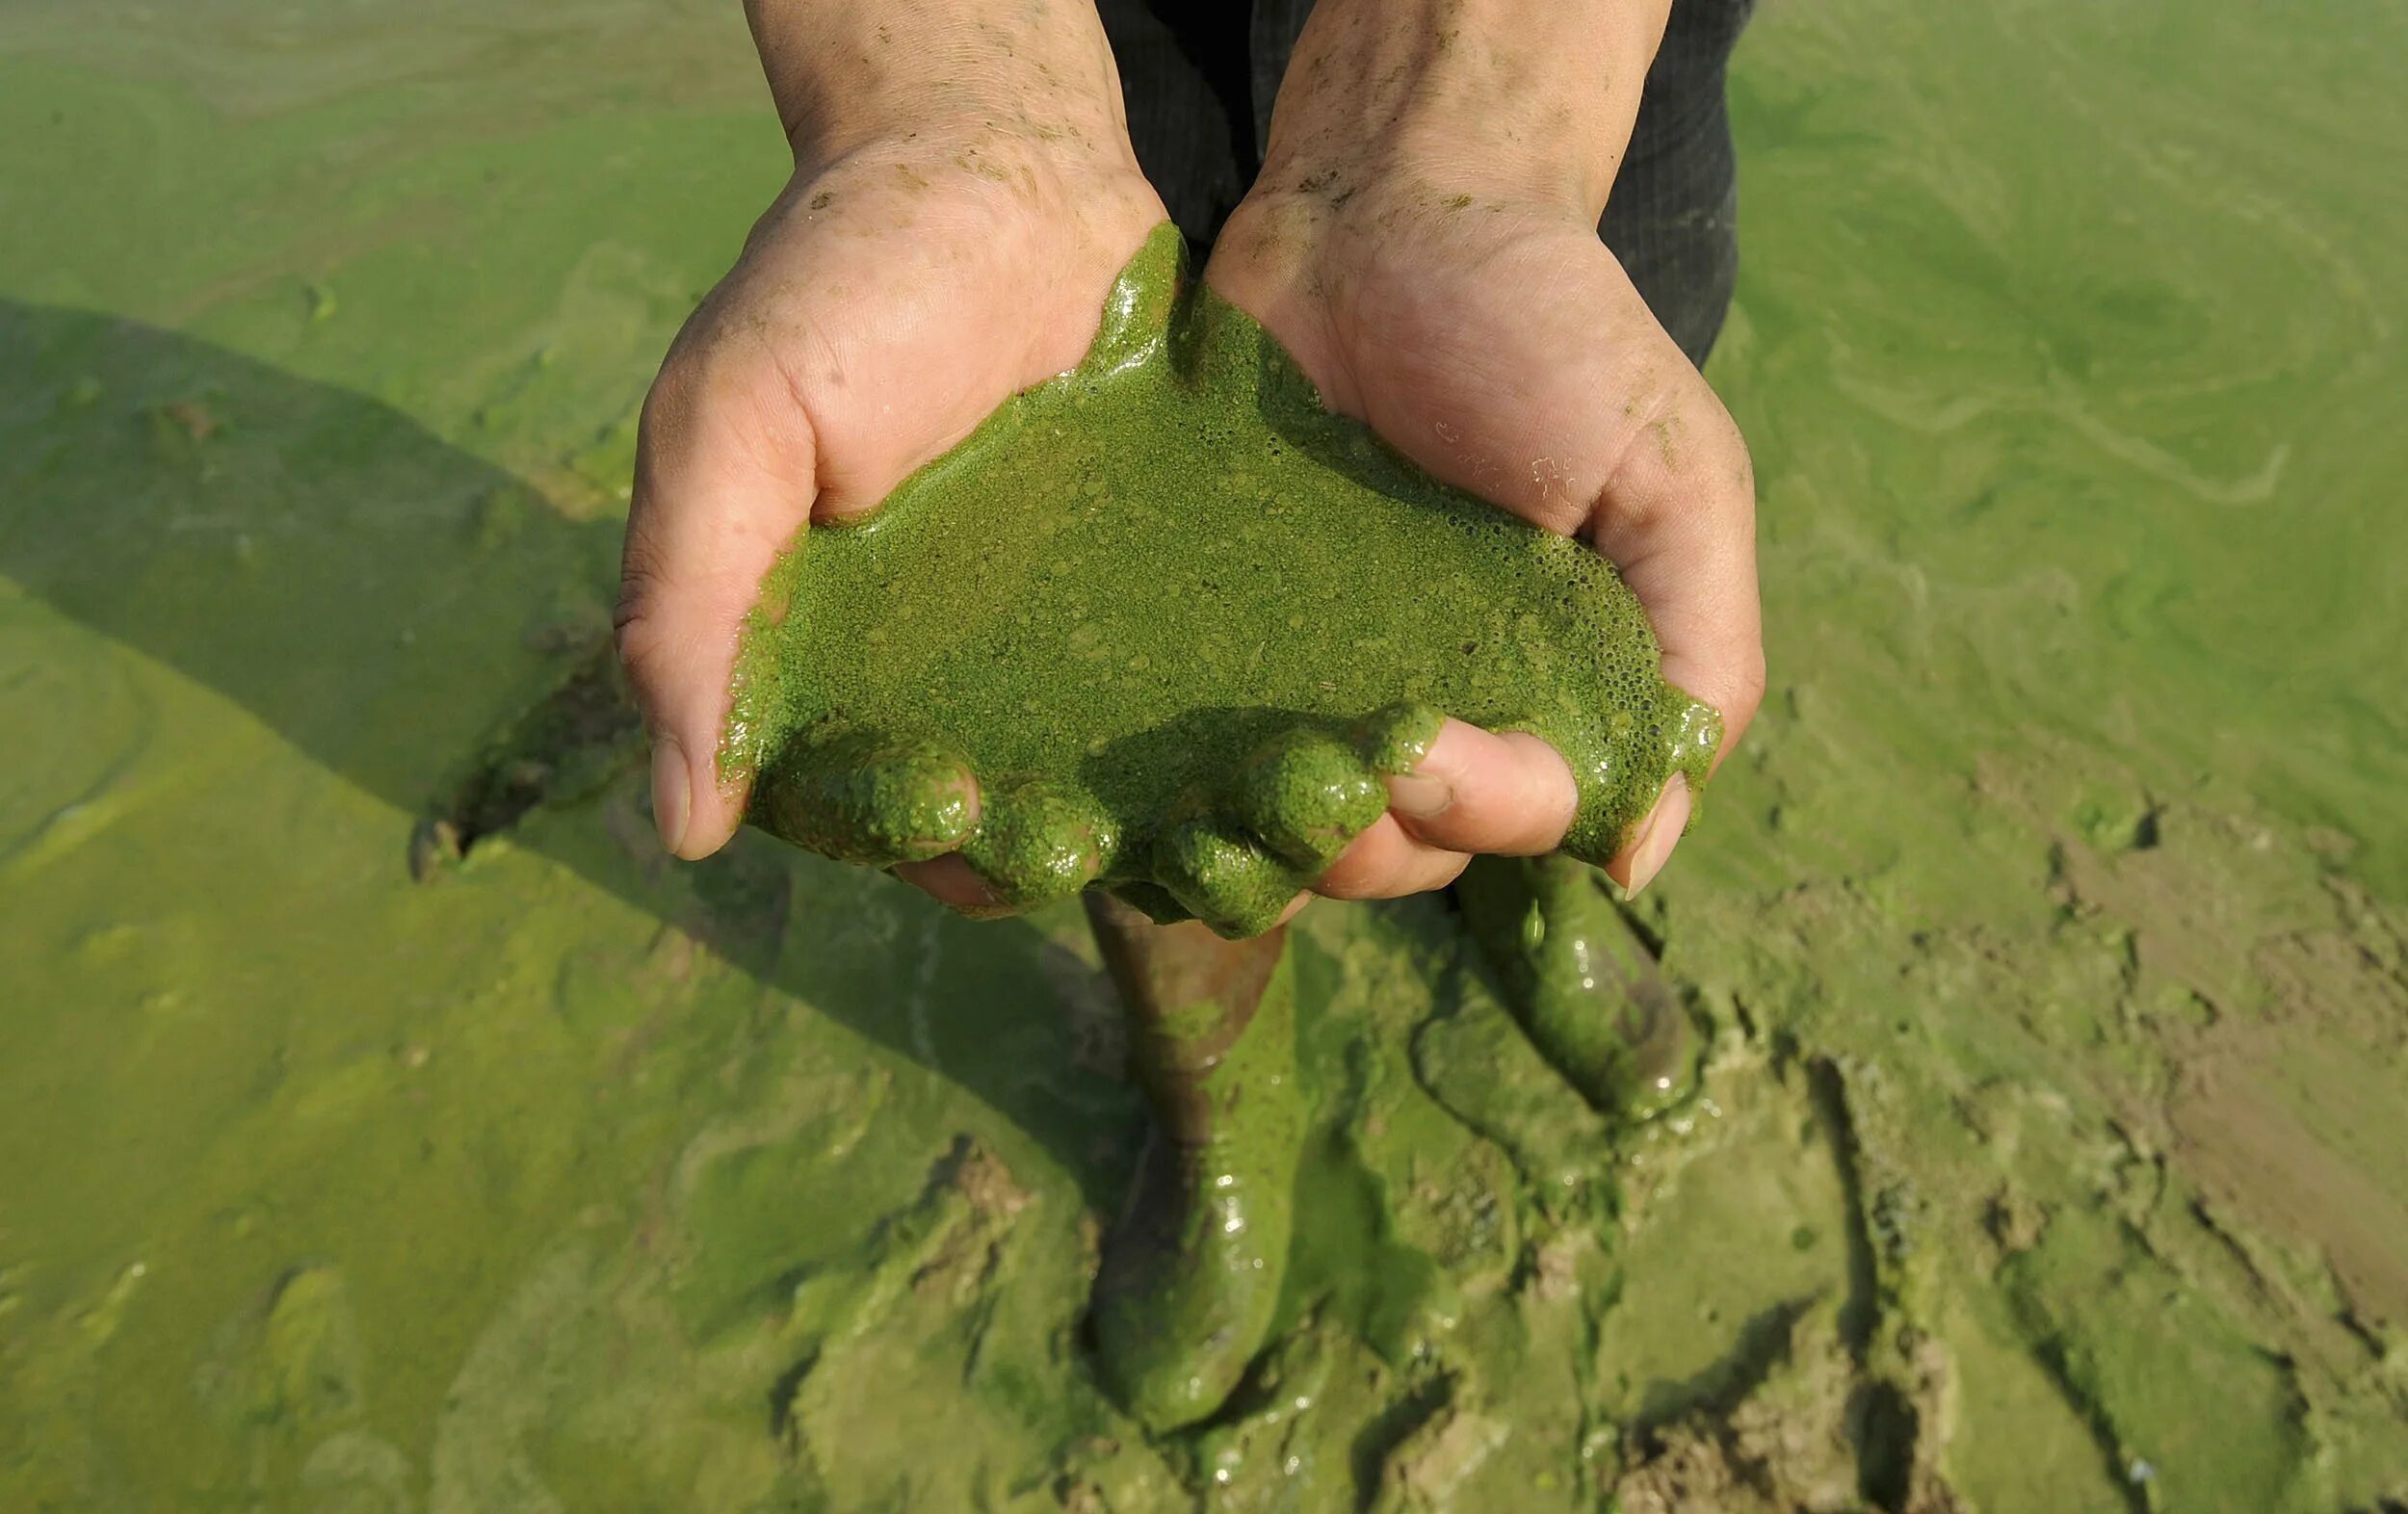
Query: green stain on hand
1178	620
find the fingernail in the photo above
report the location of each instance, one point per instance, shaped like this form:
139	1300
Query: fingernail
1662	833
1418	795
672	792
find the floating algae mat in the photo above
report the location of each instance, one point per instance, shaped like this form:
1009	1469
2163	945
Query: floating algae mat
1177	618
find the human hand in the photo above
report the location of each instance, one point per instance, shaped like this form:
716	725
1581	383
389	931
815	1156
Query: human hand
1422	240
964	196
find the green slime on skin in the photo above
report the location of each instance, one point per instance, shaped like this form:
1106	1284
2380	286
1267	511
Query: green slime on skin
1175	621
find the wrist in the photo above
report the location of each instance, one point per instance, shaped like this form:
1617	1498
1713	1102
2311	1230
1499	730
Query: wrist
1530	101
847	74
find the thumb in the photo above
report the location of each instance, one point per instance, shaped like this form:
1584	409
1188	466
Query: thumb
1677	516
725	466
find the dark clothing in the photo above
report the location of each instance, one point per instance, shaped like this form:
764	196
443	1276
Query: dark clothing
1199	89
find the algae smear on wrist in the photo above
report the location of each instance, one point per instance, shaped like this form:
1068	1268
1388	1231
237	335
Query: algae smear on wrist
1174	620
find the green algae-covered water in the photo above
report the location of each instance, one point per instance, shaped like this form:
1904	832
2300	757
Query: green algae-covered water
392	1128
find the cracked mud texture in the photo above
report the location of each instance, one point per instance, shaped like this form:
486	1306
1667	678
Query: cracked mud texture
1176	621
2053	922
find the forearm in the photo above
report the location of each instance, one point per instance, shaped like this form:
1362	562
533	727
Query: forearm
1537	97
845	73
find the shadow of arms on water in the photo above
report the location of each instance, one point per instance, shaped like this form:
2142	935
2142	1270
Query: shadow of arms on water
431	629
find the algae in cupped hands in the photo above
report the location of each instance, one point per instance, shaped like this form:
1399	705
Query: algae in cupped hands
1177	621
2051	917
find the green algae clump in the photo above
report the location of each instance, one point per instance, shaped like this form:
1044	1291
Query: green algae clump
1172	621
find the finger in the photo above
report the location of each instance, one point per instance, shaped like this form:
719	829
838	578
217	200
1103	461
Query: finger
951	882
724	481
1384	862
1653	839
1678	518
1477	792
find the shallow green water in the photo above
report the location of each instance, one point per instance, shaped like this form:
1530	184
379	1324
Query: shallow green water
2053	919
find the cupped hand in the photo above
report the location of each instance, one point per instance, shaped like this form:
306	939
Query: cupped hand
1470	315
914	275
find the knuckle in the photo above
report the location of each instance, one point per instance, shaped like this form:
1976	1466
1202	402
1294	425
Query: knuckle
728	381
1752	680
637	631
1747	689
701	383
681	390
641	570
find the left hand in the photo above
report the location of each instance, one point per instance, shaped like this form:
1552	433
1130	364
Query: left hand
1423	241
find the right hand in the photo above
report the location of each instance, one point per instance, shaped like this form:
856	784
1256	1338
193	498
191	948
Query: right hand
1422	241
925	262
